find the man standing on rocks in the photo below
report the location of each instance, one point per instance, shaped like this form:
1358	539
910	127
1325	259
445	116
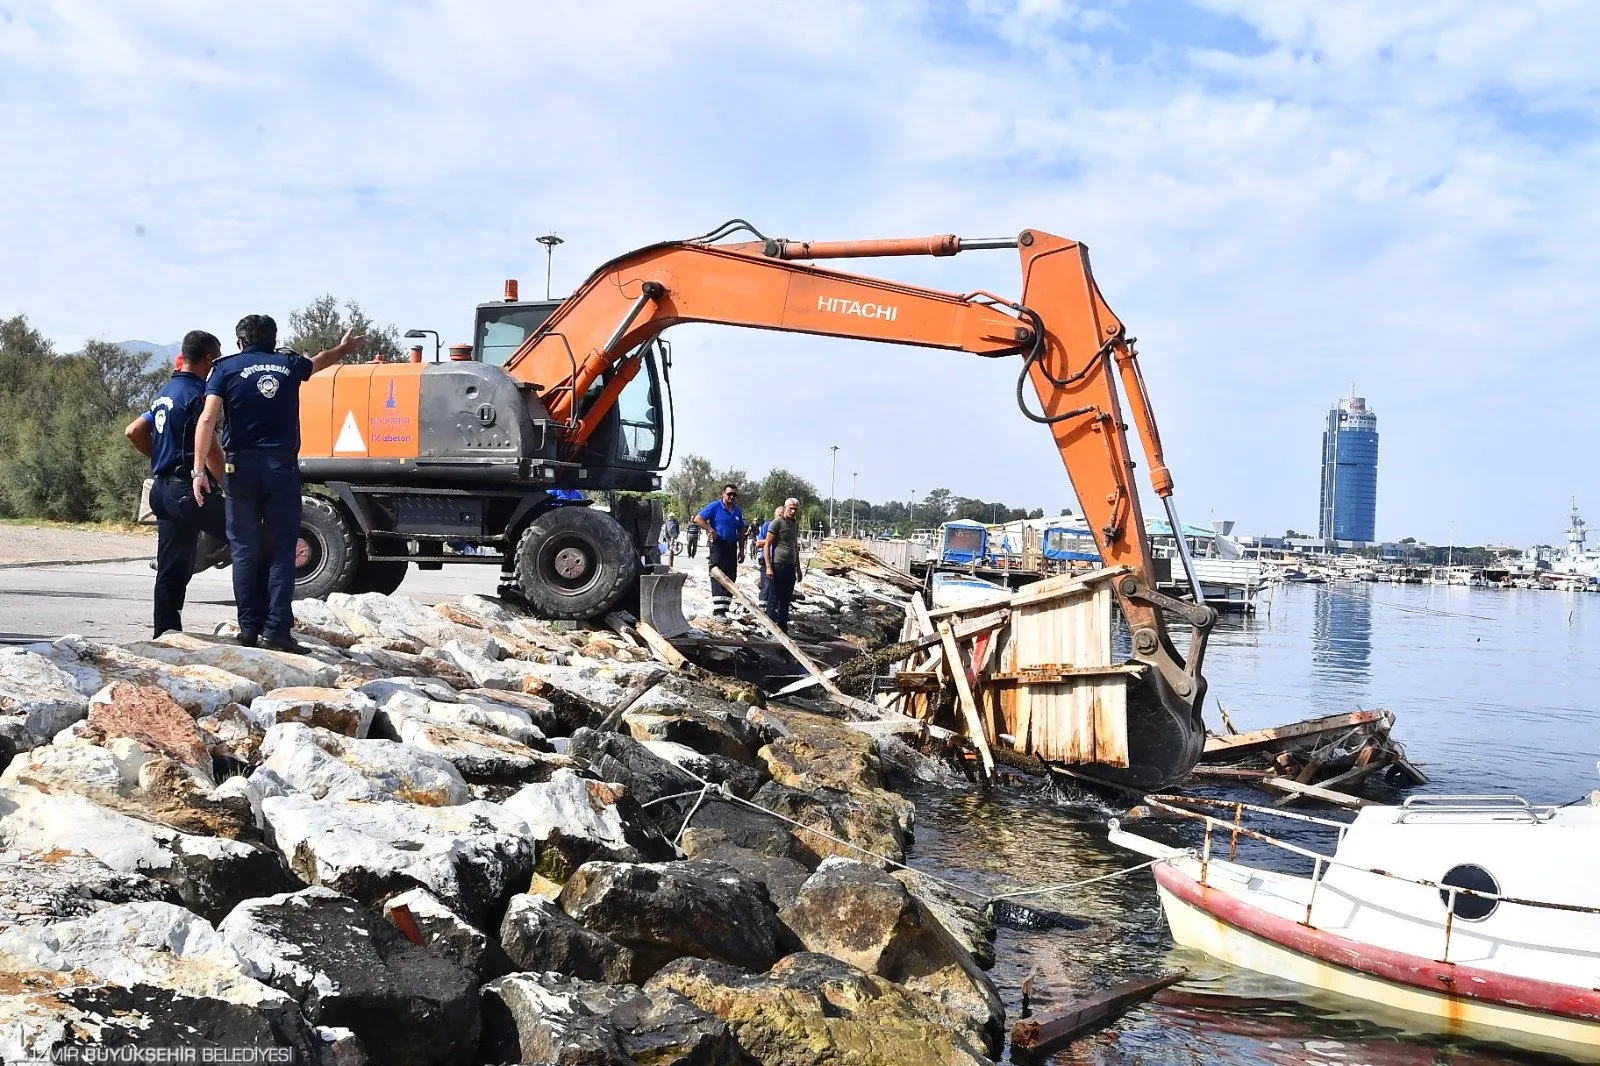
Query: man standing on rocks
724	525
166	434
780	550
259	391
758	548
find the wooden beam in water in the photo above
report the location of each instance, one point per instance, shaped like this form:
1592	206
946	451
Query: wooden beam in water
1034	1037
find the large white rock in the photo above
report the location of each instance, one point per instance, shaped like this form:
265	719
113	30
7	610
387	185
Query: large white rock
472	856
33	688
320	620
267	668
209	874
424	688
198	689
342	710
370	614
583	815
486	670
147	973
76	766
471	749
321	764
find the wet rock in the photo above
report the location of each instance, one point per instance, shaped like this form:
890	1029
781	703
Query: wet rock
337	709
472	856
863	916
423	920
781	876
576	820
207	874
663	911
479	754
971	927
541	712
548	1018
742	779
37	694
149	975
538	935
812	1010
868	823
322	764
149	716
267	668
904	765
745	828
351	969
49	886
648	777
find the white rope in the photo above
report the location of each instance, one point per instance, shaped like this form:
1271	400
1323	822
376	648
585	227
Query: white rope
1066	886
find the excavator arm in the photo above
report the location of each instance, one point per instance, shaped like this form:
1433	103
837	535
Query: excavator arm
1072	349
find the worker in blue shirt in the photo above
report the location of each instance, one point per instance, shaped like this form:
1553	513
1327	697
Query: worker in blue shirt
724	525
258	390
166	434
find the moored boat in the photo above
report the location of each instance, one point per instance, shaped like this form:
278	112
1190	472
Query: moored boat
1473	915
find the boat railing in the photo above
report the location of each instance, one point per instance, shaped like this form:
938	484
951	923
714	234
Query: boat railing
1322	863
1515	806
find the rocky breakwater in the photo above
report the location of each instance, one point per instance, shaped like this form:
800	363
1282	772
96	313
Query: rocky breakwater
431	840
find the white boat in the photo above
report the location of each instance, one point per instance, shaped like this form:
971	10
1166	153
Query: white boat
963	590
1470	915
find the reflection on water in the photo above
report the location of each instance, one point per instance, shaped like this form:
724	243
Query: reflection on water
1492	691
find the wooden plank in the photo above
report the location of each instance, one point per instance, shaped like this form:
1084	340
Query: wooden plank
1040	592
963	632
777	634
634	694
1055	674
1228	747
969	707
1041	1036
1229	773
622	624
659	646
1297	790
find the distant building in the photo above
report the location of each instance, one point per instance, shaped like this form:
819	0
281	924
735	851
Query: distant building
1349	473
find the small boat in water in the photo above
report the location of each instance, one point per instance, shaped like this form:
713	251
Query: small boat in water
963	590
1473	915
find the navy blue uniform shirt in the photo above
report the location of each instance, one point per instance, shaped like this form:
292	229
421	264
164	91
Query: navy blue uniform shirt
260	393
172	418
728	523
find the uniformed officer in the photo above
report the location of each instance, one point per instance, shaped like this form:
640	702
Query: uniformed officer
258	390
724	525
166	434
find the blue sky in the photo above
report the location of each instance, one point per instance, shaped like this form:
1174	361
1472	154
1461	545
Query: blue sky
1280	197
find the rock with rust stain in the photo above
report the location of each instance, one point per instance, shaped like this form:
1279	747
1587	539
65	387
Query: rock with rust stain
149	716
423	919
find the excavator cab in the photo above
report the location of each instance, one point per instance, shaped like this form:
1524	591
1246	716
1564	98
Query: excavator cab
499	328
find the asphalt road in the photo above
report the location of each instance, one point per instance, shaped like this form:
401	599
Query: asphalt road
111	601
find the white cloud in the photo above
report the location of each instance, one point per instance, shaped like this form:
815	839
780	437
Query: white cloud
1315	192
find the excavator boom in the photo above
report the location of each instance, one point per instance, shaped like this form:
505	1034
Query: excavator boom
1072	350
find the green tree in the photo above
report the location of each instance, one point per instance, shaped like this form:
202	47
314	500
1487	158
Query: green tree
319	325
690	484
778	486
936	506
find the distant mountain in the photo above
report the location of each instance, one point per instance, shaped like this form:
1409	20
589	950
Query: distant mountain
161	355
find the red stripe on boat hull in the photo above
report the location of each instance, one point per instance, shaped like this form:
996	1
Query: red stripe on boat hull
1445	978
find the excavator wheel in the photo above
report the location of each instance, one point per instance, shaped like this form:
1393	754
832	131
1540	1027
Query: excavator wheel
327	556
575	563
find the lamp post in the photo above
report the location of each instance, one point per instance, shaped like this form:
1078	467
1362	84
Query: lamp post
833	468
911	512
853	506
417	334
549	240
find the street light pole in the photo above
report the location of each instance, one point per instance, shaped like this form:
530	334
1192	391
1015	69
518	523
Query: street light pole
833	469
911	512
549	240
853	506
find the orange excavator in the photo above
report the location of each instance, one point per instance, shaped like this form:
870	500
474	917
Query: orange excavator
477	452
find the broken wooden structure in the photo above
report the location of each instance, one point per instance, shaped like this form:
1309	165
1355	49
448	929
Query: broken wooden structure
1327	759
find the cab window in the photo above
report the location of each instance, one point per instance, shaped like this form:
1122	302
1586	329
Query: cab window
501	331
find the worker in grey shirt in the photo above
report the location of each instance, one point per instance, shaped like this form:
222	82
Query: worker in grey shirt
780	553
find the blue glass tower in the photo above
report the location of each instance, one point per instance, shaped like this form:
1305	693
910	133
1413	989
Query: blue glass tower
1349	472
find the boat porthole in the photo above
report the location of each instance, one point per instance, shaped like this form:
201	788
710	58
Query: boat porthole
1467	875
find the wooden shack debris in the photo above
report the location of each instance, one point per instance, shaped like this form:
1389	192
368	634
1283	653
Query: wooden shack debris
1035	1037
1326	759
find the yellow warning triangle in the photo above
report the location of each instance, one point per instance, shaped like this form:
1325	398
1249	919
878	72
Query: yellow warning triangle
350	437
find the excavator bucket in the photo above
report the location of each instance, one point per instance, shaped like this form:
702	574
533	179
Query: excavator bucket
661	601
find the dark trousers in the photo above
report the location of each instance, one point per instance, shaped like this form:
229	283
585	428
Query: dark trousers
780	592
724	555
263	531
179	523
761	576
694	544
